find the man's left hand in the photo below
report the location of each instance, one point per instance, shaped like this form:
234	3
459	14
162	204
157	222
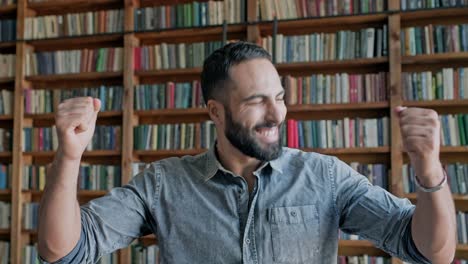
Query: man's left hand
420	132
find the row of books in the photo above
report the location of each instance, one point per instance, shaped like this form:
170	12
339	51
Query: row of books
457	176
7	65
30	215
433	39
168	95
6	99
445	84
417	4
5	176
377	174
174	136
6	139
7	2
7	30
74	61
37	101
144	254
172	56
462	229
346	133
29	254
90	177
5	215
341	45
454	130
292	9
76	24
194	14
337	88
45	138
365	259
4	251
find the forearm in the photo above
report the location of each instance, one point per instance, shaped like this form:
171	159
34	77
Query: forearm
434	225
59	213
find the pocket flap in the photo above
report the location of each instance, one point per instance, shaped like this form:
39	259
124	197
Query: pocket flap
292	214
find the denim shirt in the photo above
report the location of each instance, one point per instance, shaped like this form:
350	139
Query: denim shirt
203	213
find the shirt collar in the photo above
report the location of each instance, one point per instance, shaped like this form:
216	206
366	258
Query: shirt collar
213	164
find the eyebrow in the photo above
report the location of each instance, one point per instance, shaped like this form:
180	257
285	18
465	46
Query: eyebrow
255	96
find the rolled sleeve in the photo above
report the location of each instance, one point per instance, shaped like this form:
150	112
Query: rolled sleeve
75	256
113	221
374	214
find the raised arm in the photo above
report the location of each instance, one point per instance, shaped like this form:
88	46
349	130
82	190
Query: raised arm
59	213
434	224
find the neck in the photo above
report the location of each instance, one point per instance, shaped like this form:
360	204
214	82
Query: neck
234	160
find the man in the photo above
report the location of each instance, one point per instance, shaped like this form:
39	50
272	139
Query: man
246	200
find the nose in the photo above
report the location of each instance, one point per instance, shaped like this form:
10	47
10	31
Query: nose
276	112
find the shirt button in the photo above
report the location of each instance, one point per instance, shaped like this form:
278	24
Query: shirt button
247	241
293	213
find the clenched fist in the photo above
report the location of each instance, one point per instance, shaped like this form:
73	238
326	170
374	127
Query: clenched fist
75	120
420	132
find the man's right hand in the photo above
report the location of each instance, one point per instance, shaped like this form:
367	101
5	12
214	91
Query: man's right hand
75	120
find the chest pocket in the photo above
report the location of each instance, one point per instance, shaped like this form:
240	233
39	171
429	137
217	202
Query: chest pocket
295	233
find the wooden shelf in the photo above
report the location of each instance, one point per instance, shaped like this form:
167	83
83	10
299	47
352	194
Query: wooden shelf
5	154
359	247
72	6
462	251
461	201
148	240
179	75
431	62
78	42
448	155
5	195
48	119
81	193
85	76
449	15
153	155
6	117
4	231
93	153
459	149
298	68
338	111
8	10
435	58
372	65
324	24
8	47
75	79
192	34
47	116
457	106
4	81
89	157
166	116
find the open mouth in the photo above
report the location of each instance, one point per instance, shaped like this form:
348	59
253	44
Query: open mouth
267	134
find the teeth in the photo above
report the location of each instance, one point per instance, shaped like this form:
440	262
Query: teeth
268	132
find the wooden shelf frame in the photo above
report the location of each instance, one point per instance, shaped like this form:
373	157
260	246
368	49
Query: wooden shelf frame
252	30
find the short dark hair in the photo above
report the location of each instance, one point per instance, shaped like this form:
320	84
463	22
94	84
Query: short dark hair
216	67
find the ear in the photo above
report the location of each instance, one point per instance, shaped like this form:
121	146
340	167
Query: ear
215	111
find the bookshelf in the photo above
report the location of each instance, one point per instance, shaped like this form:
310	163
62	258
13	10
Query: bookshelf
252	30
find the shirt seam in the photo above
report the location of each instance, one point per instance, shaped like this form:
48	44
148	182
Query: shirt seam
333	185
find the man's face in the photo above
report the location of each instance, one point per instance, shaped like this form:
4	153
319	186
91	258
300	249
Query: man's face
256	110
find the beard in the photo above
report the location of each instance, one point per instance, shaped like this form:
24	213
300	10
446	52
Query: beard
244	139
